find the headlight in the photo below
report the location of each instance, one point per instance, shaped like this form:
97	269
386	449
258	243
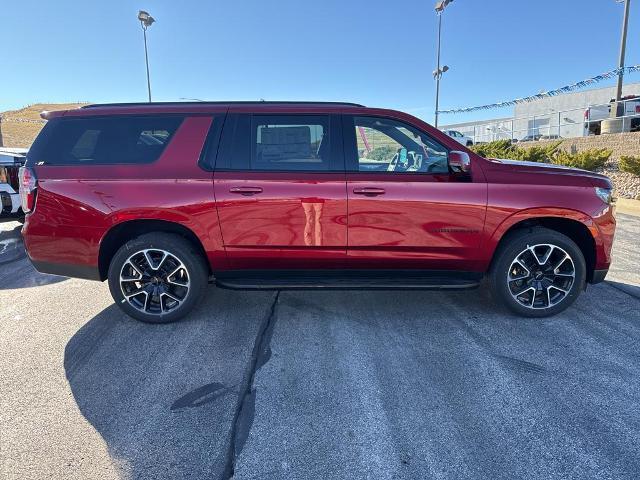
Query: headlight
605	195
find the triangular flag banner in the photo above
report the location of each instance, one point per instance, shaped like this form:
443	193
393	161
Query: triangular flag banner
551	93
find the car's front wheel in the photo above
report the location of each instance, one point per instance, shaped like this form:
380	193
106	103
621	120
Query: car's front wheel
157	277
538	272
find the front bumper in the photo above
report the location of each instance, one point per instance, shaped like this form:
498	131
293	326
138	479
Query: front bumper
6	203
9	203
598	276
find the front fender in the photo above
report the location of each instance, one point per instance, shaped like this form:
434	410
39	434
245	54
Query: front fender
497	232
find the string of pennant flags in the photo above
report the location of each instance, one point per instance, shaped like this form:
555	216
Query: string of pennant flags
550	93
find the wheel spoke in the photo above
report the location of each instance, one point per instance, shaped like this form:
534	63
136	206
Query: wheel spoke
146	301
172	297
556	269
524	291
148	259
164	257
558	288
135	293
533	297
132	265
545	258
523	266
177	282
129	279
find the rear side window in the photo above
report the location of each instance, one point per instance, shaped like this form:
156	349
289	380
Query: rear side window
103	140
281	143
288	143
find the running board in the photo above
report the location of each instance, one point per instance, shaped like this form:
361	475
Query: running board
348	280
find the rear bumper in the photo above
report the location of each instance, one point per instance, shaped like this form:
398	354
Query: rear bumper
60	250
67	270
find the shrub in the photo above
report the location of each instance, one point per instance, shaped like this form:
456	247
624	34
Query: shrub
505	149
381	154
587	160
497	149
537	154
630	164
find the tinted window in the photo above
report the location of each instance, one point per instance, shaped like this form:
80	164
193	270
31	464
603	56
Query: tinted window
287	143
102	140
385	145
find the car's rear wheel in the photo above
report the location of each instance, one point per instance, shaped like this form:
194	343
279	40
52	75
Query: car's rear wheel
538	272
157	277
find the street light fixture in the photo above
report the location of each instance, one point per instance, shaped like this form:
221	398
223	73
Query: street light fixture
440	71
440	6
437	73
146	21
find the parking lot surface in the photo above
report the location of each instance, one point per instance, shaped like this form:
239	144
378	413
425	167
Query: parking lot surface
320	385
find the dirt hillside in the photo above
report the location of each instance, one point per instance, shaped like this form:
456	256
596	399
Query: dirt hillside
18	128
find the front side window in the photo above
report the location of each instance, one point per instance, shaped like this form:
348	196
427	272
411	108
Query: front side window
290	143
107	140
385	145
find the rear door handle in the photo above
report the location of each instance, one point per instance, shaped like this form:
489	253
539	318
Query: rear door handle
369	191
246	190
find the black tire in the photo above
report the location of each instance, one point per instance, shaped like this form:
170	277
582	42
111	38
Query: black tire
469	143
542	305
194	272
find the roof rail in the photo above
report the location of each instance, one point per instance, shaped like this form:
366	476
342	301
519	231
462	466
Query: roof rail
204	102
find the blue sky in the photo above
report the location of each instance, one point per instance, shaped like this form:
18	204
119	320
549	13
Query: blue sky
377	53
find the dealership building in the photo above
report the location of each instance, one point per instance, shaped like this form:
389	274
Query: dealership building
561	115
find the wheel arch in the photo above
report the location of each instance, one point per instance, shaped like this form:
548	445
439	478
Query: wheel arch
581	230
124	231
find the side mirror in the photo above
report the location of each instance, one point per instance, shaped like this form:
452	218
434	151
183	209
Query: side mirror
459	162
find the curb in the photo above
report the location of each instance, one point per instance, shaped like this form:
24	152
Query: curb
628	206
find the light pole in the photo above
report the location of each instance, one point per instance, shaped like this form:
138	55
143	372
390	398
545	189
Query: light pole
145	22
623	45
437	73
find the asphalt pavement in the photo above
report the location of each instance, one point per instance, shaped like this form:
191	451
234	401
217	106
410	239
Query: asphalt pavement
318	385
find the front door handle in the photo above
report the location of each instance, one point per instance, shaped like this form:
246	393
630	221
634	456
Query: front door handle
246	190
369	191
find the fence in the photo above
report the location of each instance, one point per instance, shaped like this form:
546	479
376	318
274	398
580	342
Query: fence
576	122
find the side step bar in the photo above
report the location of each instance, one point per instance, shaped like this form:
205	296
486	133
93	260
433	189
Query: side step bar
348	280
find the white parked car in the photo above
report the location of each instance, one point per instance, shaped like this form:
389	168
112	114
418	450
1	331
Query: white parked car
463	139
11	159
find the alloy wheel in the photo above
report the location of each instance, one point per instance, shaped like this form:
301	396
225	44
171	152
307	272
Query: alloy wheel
541	276
154	281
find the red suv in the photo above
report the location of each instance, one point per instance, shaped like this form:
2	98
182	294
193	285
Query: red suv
160	199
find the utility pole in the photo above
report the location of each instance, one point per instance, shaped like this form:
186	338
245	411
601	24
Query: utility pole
623	46
437	73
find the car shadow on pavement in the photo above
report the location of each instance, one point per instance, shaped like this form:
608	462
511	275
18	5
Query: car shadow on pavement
164	397
19	273
633	290
11	247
